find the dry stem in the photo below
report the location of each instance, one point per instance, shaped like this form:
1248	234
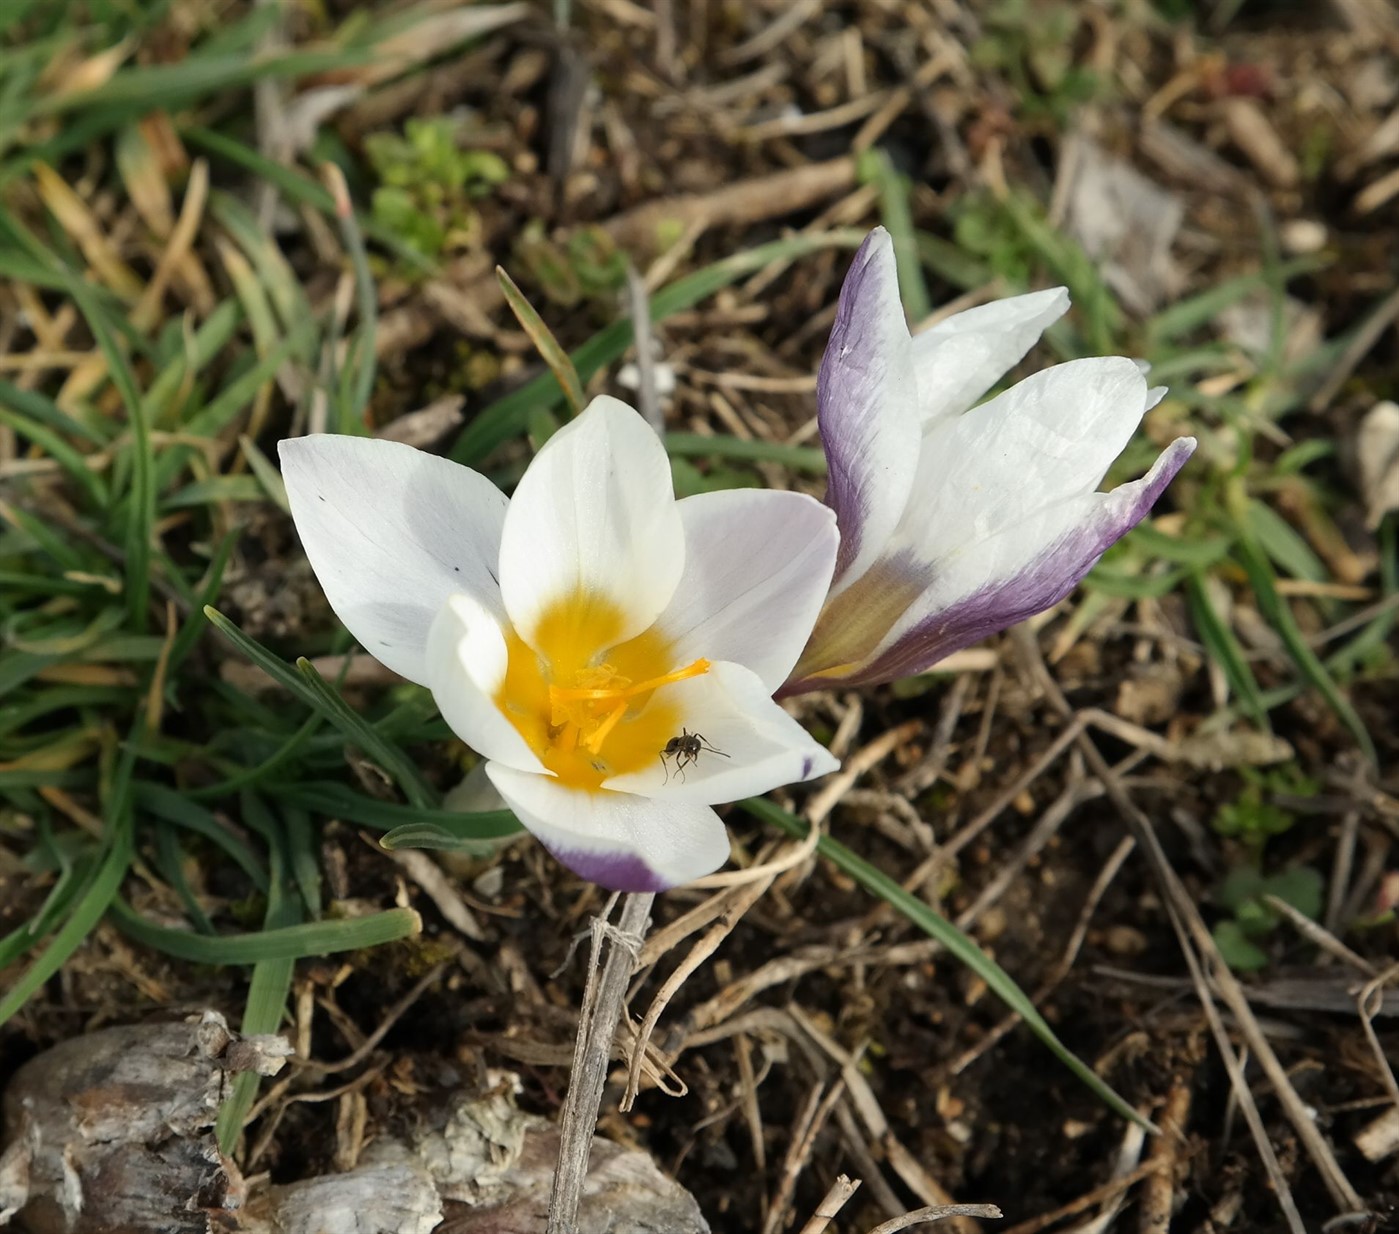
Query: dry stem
597	1025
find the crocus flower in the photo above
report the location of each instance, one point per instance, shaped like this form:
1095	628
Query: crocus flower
958	521
581	635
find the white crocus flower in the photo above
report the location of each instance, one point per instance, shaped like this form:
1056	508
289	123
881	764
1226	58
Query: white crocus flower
571	634
958	521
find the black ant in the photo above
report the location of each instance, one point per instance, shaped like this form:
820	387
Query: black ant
685	749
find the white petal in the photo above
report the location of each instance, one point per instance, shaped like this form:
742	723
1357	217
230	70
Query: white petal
594	515
1048	438
757	568
752	744
391	532
867	407
959	359
466	662
619	841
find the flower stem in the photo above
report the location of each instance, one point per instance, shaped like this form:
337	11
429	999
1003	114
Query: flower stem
597	1026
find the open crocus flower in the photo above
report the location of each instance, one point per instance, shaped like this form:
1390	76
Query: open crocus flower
611	652
957	523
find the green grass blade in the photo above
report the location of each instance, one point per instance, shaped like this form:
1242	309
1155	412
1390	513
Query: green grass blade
306	684
1278	615
140	521
174	807
958	945
359	731
91	904
299	187
314	938
271	980
544	341
338	801
896	213
1225	649
798	458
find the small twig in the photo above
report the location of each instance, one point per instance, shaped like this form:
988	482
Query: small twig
639	309
937	1212
395	1013
1158	1191
701	951
1112	1187
1341	867
836	1199
1369	333
1202	957
597	1026
1369	1001
809	1123
1319	935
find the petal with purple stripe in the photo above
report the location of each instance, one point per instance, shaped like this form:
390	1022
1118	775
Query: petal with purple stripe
867	408
1046	440
1016	573
617	840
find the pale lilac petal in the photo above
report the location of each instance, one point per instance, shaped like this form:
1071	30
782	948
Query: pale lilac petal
757	568
1047	439
594	519
1014	574
752	744
619	841
867	408
958	360
391	532
467	660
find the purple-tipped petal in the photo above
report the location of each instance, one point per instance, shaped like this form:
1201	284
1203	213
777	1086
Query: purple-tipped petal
617	840
614	871
989	586
1046	440
1085	532
867	408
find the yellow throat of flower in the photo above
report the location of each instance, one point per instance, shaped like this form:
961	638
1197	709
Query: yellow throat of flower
586	703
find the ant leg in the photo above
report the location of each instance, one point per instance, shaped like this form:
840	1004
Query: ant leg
704	742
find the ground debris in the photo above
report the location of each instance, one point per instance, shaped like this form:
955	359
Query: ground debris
1128	223
486	1167
115	1132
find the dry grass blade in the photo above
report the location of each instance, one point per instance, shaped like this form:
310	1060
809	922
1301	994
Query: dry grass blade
1194	934
702	950
937	1212
1087	1200
544	341
829	1208
1318	934
1369	1002
808	1126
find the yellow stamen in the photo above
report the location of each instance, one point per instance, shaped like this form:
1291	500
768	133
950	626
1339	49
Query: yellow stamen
595	739
591	707
697	669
